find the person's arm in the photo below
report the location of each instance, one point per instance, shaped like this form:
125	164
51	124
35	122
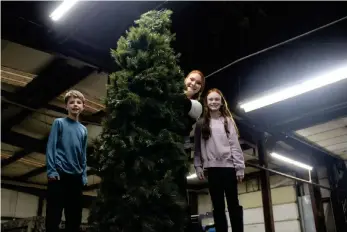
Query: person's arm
192	108
51	150
236	151
197	150
195	109
84	160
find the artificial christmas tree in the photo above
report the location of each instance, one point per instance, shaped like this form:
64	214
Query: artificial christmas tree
139	154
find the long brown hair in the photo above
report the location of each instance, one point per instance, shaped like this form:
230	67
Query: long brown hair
198	94
225	113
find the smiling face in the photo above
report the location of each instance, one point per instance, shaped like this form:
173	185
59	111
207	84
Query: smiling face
214	101
74	106
193	84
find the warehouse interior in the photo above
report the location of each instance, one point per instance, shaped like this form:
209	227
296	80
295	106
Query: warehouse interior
41	60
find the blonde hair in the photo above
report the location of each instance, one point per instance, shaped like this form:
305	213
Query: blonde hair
74	93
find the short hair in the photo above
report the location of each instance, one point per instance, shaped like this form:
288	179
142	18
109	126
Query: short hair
74	93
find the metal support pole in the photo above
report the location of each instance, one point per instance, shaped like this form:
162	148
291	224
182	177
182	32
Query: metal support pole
317	206
286	175
40	206
340	222
265	186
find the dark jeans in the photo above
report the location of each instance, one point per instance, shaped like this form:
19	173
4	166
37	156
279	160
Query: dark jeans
223	181
66	194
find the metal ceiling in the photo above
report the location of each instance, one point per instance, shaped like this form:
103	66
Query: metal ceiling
41	60
331	135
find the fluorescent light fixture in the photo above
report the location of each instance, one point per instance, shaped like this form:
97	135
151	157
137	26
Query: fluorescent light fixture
64	7
287	160
192	176
326	79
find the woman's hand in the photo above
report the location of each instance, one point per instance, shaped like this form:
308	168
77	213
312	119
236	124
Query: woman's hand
240	174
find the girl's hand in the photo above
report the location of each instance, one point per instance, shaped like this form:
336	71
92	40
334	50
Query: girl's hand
201	175
240	179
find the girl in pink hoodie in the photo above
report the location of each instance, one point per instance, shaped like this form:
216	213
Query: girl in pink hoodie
218	150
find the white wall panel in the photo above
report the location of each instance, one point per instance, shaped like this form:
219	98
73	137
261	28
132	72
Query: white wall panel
287	226
286	212
18	204
8	202
254	228
26	205
253	216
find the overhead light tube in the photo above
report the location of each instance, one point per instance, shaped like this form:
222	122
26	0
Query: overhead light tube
293	162
62	9
326	79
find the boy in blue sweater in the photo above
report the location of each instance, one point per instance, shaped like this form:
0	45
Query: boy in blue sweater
66	166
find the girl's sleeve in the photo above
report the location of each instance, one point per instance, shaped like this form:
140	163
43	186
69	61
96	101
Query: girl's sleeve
236	151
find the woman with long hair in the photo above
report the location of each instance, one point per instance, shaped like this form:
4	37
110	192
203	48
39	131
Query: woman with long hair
219	152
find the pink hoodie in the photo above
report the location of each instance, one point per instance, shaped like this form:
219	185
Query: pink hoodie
218	150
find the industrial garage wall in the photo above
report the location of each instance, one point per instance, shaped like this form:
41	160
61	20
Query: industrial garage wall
284	199
15	204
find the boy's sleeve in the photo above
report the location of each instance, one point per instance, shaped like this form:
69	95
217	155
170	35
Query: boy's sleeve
197	149
51	150
84	160
236	151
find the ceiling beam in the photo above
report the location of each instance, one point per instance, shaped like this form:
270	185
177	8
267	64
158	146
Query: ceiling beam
25	142
16	156
94	118
313	118
29	143
51	81
308	148
32	173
